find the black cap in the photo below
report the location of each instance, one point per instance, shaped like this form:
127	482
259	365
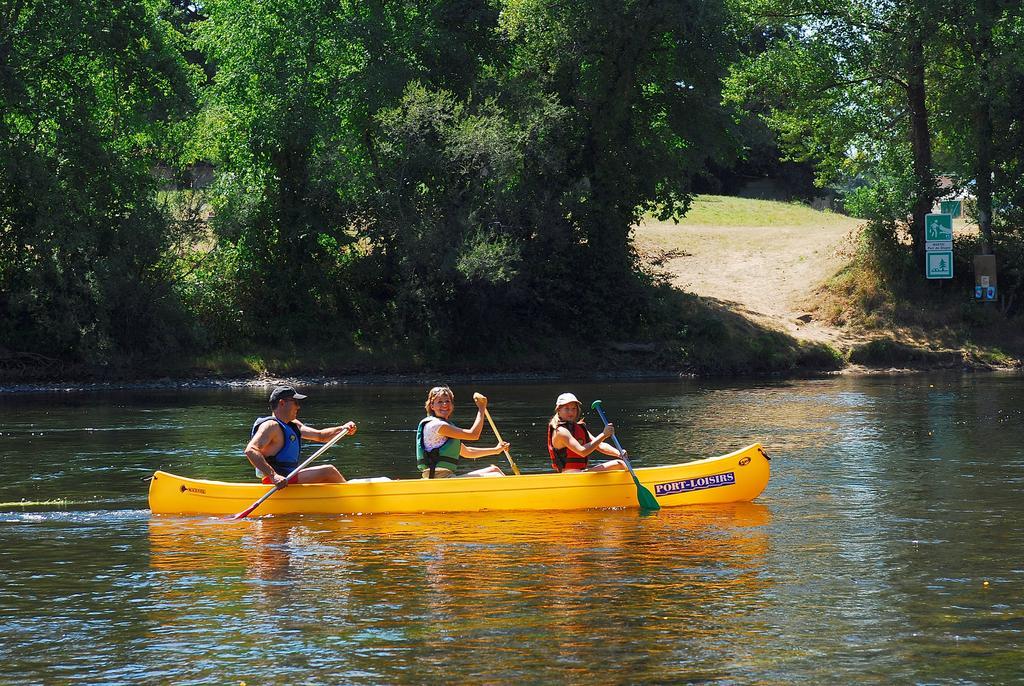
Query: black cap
281	392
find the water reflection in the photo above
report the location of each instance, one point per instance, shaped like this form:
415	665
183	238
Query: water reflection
394	592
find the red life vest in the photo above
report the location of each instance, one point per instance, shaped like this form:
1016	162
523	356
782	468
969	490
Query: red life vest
565	458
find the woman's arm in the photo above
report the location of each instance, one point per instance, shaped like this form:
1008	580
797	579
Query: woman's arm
473	453
605	448
449	430
610	450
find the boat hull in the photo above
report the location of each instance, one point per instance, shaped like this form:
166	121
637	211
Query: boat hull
737	477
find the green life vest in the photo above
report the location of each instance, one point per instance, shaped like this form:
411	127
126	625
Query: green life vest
445	456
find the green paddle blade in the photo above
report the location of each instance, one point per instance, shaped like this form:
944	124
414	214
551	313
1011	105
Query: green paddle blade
645	497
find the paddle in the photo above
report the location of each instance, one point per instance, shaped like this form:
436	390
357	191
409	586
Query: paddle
247	511
497	435
644	497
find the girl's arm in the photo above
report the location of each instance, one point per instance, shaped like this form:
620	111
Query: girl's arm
606	448
569	441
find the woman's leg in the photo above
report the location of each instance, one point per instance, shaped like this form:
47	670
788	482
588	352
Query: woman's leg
439	473
490	470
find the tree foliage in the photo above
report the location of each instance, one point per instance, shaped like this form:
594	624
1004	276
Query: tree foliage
429	171
437	176
87	93
886	96
843	82
978	70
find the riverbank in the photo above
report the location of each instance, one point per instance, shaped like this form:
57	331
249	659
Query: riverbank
304	381
789	268
461	379
748	288
628	361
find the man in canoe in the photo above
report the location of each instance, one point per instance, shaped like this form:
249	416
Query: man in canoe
276	440
569	442
440	444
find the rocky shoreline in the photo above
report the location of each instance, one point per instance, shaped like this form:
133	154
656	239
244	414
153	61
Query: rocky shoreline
265	381
460	378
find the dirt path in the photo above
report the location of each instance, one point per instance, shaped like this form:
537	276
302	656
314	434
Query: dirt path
768	273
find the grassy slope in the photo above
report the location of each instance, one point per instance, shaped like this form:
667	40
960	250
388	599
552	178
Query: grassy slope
735	265
908	321
722	210
772	260
765	257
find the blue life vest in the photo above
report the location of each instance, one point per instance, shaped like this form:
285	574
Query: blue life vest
287	458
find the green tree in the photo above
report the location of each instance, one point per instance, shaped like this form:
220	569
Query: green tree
600	111
642	80
978	63
291	123
844	83
86	95
426	168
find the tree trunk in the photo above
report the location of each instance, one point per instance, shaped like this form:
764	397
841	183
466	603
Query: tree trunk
982	119
611	123
920	140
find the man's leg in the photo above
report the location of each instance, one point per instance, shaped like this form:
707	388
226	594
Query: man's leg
322	474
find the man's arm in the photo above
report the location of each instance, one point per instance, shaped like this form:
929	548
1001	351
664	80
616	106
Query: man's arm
308	433
261	445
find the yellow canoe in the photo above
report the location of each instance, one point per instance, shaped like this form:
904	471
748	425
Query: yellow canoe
737	477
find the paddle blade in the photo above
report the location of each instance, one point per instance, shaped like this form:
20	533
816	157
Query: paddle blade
248	511
243	514
646	499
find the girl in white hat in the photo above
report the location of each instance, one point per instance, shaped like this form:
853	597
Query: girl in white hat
569	442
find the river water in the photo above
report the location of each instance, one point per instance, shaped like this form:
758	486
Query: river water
887	547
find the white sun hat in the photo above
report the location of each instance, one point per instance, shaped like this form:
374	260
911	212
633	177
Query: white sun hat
565	399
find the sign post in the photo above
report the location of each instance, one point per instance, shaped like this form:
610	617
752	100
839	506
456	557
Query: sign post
938	246
985	278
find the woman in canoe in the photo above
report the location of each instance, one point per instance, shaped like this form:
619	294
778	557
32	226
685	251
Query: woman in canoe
569	442
440	444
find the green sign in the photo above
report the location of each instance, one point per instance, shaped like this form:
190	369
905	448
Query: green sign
938	227
939	264
950	207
